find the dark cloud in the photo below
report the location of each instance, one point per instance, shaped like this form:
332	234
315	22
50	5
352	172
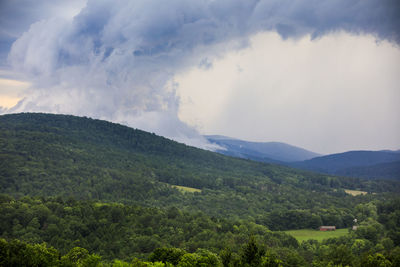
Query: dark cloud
115	58
17	15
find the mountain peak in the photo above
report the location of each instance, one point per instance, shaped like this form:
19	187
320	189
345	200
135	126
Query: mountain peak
277	152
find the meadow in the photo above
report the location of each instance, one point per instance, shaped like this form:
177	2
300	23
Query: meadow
355	192
306	234
186	189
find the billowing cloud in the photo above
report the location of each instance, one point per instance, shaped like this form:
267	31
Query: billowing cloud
17	15
114	60
330	95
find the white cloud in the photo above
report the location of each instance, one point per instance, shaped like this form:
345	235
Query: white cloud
16	16
114	59
333	94
11	92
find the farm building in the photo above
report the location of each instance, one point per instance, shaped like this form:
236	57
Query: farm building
327	228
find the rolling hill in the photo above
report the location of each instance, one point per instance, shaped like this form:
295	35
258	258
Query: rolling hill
99	191
273	152
383	164
388	170
363	164
67	156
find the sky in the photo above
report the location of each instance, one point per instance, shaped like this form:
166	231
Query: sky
322	75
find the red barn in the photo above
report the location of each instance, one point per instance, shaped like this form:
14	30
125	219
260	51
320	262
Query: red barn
327	228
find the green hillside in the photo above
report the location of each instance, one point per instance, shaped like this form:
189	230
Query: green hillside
97	193
120	231
67	156
360	164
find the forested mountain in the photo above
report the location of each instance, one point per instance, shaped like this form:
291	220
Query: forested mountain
59	155
389	170
383	164
363	164
273	152
122	193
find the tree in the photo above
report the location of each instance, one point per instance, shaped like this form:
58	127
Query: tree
341	255
201	257
270	260
80	257
207	258
376	260
252	253
226	257
171	255
17	253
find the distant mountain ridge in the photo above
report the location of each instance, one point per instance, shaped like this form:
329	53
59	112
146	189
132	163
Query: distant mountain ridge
383	164
273	152
387	170
362	164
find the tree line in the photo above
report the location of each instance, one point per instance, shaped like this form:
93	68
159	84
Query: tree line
113	233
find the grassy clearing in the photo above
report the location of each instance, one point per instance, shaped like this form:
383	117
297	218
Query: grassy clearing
186	189
355	192
306	234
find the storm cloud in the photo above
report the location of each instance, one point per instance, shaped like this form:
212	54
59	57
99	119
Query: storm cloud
115	59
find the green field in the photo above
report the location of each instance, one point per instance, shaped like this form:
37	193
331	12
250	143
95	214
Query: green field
186	189
306	234
355	192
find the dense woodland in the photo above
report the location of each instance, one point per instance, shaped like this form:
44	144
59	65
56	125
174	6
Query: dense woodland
87	233
78	191
361	164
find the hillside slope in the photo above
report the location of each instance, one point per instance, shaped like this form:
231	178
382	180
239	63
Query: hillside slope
273	152
67	156
363	164
387	170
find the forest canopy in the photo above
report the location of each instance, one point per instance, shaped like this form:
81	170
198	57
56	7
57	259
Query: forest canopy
74	186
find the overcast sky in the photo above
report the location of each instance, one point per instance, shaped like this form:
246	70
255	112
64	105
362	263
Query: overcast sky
322	75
